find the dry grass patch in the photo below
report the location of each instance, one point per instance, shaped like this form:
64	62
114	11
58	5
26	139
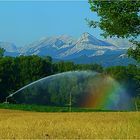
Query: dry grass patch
22	124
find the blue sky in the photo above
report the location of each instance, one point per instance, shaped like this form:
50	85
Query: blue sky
27	21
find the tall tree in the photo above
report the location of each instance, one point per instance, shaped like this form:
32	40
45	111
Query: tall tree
119	18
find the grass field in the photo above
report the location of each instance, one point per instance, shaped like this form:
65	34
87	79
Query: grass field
43	108
23	124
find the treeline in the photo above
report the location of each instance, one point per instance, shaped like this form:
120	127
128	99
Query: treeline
16	72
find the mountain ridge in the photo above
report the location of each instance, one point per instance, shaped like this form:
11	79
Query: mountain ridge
65	47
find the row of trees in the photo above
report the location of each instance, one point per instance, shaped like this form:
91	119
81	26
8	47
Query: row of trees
20	71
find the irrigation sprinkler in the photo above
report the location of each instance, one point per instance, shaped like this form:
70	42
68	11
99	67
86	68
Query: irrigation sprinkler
6	99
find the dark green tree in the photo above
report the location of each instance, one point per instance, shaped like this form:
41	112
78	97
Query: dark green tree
7	77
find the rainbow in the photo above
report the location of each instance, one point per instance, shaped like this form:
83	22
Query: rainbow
105	93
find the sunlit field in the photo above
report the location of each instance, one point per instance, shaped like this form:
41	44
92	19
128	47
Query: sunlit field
23	124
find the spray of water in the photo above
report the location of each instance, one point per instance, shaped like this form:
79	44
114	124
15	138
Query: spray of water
86	89
69	73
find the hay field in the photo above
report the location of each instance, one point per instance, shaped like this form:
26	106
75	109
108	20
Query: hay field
22	124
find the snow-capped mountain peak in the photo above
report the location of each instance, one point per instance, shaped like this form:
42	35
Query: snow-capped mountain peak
66	47
86	49
10	47
87	45
90	39
86	37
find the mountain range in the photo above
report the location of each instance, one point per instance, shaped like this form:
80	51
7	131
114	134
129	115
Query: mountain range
86	49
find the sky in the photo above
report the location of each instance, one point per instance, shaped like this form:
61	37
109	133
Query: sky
23	22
